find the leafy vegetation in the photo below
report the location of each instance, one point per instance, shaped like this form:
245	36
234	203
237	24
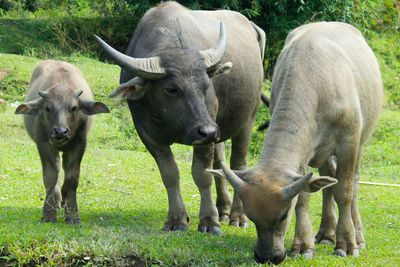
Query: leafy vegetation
50	29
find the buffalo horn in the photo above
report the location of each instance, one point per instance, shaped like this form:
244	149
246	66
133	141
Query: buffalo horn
78	92
43	94
290	191
148	68
233	179
214	55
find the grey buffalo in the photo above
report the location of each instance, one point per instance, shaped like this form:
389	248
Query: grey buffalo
325	101
193	77
56	116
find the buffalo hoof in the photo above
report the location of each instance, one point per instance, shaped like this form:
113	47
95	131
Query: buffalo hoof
308	254
361	246
49	215
340	252
298	249
223	218
49	220
355	253
239	223
175	227
215	230
75	221
324	239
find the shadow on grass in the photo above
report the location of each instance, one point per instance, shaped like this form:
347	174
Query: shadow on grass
116	218
127	238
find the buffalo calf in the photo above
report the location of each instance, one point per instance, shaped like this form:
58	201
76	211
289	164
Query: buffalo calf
56	116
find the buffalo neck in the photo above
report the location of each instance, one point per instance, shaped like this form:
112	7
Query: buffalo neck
288	143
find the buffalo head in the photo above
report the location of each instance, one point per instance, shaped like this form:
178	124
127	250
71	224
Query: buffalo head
267	201
60	109
178	80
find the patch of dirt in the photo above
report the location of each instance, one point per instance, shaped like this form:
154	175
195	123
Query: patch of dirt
4	73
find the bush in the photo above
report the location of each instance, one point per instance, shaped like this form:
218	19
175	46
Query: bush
30	5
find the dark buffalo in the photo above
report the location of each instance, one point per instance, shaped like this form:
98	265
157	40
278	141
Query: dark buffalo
193	77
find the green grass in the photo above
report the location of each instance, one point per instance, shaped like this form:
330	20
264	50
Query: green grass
123	203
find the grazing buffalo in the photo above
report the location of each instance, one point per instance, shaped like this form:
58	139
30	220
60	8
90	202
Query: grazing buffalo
193	77
325	101
56	116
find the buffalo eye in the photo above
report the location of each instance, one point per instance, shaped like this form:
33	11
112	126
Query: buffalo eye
171	91
47	109
74	108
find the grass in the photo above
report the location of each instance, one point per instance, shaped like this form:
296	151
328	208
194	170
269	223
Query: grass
123	203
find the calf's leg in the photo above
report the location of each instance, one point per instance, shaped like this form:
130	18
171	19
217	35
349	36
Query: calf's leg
51	167
71	164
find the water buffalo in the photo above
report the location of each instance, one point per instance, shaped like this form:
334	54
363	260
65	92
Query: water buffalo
193	77
56	116
326	97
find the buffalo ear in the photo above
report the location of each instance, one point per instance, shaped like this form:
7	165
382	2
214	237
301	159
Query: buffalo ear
221	69
90	107
30	108
133	89
307	183
319	182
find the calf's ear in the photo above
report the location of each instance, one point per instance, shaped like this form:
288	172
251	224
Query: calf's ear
30	108
92	107
133	89
222	69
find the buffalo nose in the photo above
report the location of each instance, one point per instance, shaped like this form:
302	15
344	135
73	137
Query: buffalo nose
208	132
60	132
276	258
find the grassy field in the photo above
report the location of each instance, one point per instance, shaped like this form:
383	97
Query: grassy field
123	203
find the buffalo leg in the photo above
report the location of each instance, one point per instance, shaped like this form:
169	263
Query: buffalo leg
202	159
71	165
240	147
51	167
343	194
178	217
224	201
354	205
326	233
303	242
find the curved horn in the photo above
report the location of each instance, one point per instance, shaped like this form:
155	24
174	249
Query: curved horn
214	55
43	94
290	191
78	92
233	179
148	68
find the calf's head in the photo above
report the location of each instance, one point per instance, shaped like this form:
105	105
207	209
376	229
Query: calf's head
61	111
267	201
178	80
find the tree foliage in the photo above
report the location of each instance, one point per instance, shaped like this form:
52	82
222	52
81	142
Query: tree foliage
276	18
